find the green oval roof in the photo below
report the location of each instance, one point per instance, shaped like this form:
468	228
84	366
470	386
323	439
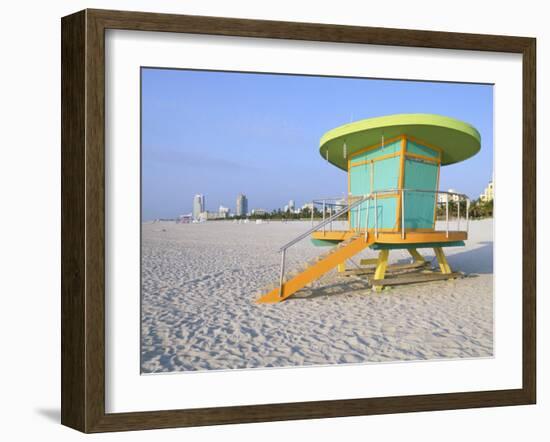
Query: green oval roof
457	139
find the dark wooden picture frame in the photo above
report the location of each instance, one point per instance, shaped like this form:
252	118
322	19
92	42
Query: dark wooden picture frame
83	220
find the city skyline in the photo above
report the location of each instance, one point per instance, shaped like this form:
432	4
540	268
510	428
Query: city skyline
221	133
291	204
198	206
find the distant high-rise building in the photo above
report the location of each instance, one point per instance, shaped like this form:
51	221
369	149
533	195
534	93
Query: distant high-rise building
454	197
242	205
291	205
223	211
443	197
488	194
205	216
199	203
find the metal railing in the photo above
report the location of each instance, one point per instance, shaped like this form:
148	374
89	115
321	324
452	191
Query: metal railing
453	198
330	204
306	234
344	206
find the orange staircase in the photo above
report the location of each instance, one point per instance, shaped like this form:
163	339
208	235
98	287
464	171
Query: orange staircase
316	268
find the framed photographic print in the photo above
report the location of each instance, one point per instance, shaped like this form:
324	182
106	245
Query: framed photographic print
269	220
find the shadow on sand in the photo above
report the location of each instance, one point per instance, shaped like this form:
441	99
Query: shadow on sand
478	260
346	287
472	262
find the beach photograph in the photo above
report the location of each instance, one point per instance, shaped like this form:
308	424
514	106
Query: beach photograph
301	220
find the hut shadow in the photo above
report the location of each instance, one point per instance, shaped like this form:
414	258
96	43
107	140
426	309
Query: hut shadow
349	286
478	260
475	261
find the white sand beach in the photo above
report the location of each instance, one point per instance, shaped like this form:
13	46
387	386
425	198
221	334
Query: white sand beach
200	281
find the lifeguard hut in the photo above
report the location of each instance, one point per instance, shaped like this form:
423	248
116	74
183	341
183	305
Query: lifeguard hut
393	166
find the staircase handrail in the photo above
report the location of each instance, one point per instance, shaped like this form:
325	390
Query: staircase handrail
325	222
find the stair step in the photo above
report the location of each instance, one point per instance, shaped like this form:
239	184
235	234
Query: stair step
271	294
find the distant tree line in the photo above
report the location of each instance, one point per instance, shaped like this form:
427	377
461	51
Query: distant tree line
478	210
304	214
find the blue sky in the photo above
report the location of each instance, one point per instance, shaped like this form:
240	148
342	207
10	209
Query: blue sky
223	133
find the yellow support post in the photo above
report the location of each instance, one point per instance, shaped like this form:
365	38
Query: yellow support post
342	267
442	260
416	256
381	268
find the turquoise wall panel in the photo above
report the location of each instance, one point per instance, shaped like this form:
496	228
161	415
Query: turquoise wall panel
360	180
419	149
386	176
420	174
386	211
386	173
378	152
420	206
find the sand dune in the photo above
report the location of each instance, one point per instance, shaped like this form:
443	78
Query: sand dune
199	283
